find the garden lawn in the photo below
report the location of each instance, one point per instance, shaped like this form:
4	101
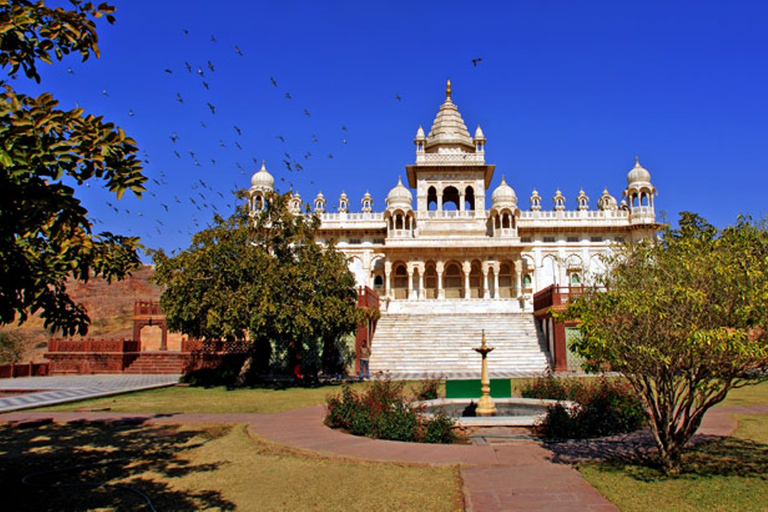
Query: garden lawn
106	466
214	400
750	395
726	475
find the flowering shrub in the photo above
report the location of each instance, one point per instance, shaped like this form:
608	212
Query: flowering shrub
427	389
601	407
383	412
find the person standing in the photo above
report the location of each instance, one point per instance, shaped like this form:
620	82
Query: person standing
365	356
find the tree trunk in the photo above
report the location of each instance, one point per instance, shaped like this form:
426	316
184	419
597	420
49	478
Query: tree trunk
245	370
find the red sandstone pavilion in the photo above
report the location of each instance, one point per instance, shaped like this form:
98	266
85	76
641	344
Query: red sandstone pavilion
137	356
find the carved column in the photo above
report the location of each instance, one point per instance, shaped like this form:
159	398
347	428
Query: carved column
411	294
519	277
496	267
486	291
387	278
439	269
420	266
467	267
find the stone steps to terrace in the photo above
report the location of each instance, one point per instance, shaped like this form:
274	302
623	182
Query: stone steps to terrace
417	339
158	363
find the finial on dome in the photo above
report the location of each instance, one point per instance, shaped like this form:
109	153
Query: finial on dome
263	165
637	161
448	90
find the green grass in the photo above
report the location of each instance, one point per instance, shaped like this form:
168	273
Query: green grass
201	468
726	475
215	400
750	395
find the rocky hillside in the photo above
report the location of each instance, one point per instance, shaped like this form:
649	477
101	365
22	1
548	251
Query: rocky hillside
110	307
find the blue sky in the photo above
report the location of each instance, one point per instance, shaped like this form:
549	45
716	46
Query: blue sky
567	93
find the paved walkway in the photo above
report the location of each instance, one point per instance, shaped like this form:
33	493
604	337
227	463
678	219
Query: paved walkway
28	392
511	475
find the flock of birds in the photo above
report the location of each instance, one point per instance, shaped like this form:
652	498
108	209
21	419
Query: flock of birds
202	199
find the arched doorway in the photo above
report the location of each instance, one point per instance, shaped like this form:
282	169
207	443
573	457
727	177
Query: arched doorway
453	281
476	286
505	281
451	199
400	282
430	281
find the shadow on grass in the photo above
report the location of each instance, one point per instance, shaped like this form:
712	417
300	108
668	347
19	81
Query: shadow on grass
121	465
636	456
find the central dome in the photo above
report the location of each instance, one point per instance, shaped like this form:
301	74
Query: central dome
448	128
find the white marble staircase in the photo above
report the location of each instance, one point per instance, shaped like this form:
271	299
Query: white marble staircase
417	339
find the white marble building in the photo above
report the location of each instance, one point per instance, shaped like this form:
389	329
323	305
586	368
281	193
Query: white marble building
462	248
458	243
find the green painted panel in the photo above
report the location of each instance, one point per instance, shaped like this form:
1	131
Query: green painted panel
500	388
575	361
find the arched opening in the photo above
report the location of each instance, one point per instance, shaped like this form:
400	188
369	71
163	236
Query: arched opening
400	282
432	199
505	222
151	338
505	281
451	199
430	281
548	272
398	221
378	275
453	281
469	199
476	286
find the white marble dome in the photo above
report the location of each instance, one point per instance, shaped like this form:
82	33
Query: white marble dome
504	196
262	179
399	196
638	174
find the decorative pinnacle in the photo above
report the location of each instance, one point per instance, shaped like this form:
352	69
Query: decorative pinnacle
637	161
448	90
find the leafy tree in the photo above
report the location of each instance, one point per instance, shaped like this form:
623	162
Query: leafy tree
261	278
12	347
683	317
45	233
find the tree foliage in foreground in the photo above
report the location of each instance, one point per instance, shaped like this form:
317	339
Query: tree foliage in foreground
684	318
264	279
45	233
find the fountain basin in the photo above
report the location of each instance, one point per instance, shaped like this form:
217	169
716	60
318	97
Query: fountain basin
511	412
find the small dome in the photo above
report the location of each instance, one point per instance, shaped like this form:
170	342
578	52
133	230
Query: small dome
262	179
606	202
638	174
420	133
479	135
399	196
504	196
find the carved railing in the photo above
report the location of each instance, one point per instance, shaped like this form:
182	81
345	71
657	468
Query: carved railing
215	346
554	295
92	345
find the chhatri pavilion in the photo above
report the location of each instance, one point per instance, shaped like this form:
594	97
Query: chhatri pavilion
463	259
